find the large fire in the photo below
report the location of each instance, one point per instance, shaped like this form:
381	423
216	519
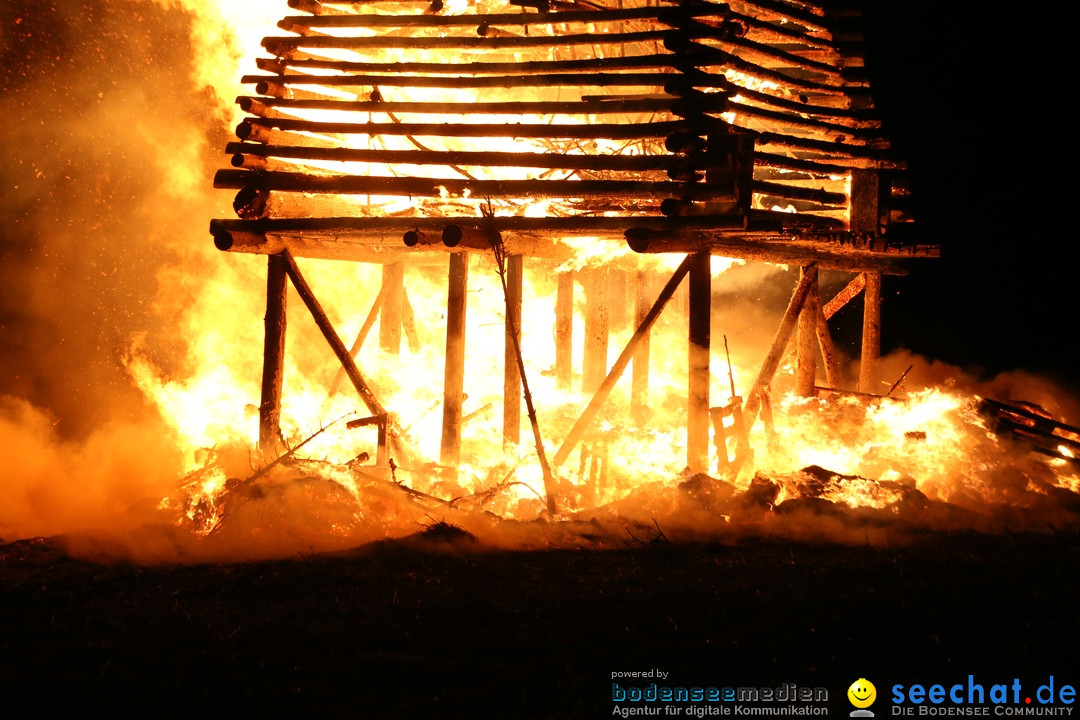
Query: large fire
921	442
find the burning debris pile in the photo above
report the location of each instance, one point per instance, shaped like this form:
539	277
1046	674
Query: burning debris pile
960	472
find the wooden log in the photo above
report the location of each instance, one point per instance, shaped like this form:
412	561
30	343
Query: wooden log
408	322
564	330
300	64
327	328
589	414
390	314
865	210
807	20
344	244
475	158
596	329
825	343
511	372
842	298
639	379
792	192
358	343
271	107
697	406
283	46
429	187
707	55
836	166
592	17
832	257
413	238
769	366
806	347
454	375
543	131
266	85
871	335
270	440
834	151
619	308
458	237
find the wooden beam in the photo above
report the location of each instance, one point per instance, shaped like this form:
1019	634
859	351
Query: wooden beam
697	409
358	343
871	336
845	296
806	344
390	315
825	343
408	322
511	372
328	331
765	375
273	356
597	402
564	331
454	376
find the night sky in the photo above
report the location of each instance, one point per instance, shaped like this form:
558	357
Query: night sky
971	98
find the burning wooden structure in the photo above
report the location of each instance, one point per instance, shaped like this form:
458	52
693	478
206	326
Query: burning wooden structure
420	131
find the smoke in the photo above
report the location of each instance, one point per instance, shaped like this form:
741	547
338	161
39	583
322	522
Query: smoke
105	161
105	480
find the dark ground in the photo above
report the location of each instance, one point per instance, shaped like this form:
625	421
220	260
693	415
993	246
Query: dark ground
407	633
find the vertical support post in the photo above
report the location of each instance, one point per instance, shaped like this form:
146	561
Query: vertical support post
564	331
273	354
806	344
511	373
871	333
697	411
828	350
596	330
639	380
618	308
390	313
864	214
454	377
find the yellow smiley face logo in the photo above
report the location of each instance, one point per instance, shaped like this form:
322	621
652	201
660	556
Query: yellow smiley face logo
862	693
